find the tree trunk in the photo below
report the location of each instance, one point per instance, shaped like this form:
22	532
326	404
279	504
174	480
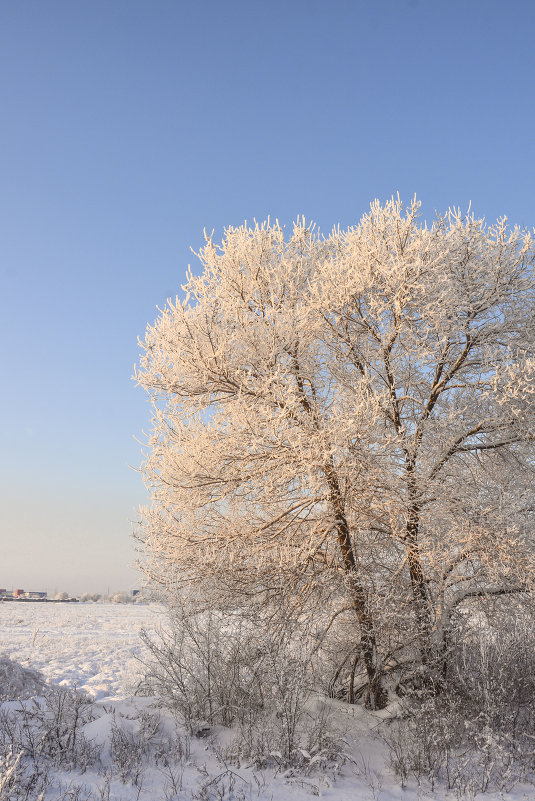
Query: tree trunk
418	583
376	696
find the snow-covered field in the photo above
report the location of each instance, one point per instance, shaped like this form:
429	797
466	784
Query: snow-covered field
93	647
90	645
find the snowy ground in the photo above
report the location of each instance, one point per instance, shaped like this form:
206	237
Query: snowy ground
93	647
90	645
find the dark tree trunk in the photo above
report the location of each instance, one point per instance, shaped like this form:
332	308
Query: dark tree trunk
420	592
376	696
418	583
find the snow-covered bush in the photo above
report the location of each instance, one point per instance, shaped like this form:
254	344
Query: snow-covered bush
230	669
40	730
48	728
477	731
90	597
46	754
205	666
122	598
17	682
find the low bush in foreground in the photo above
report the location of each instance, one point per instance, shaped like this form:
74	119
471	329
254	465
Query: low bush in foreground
476	733
216	669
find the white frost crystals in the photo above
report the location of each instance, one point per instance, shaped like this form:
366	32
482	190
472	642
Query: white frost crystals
345	423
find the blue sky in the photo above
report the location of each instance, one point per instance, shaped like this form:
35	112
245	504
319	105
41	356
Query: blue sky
127	127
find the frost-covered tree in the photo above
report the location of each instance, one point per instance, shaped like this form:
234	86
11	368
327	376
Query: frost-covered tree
348	422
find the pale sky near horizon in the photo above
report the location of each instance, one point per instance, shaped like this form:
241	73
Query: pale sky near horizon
128	126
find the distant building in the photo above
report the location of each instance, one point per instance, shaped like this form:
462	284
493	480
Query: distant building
23	595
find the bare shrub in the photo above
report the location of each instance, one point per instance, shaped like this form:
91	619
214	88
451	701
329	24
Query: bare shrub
216	668
477	733
38	734
172	750
128	751
49	729
205	668
66	712
226	786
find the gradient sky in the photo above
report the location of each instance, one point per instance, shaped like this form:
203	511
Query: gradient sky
128	126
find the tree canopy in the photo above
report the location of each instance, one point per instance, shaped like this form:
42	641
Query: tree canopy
348	421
